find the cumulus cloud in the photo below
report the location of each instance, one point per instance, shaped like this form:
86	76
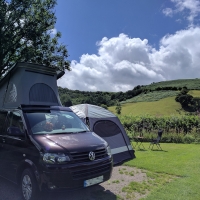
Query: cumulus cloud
178	56
190	7
123	62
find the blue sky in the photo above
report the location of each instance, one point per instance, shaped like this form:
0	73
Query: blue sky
115	45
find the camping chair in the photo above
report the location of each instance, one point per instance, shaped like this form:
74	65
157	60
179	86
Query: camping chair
157	140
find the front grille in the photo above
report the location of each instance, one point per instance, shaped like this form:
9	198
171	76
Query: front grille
84	156
91	170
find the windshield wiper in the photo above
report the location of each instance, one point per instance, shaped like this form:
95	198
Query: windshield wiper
81	131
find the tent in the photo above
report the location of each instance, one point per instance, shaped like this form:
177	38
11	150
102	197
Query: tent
107	125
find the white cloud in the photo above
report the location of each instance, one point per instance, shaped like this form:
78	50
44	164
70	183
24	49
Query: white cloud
121	64
124	62
191	8
168	12
178	56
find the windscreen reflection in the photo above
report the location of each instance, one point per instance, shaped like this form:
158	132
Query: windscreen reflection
55	122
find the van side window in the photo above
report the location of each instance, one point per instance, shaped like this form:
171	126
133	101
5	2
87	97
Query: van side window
16	124
3	115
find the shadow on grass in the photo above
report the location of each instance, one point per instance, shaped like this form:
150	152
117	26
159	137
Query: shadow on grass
158	150
140	149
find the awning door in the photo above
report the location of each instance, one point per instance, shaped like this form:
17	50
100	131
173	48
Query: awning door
110	131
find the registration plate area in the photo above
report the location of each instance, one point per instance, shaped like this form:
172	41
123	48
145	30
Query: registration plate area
93	181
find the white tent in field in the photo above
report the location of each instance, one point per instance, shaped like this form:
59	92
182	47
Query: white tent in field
107	125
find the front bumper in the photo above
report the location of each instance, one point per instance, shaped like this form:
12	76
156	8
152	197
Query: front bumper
72	176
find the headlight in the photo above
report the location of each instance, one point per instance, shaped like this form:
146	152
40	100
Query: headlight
53	158
108	150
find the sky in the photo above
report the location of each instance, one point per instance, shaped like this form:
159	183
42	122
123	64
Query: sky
115	45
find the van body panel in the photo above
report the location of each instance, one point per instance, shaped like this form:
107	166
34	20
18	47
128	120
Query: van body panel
70	142
73	176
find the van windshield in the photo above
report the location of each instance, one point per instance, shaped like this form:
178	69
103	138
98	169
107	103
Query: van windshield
55	122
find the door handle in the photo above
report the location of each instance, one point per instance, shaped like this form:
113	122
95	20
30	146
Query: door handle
4	140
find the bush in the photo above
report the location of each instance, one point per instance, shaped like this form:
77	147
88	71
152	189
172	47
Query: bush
149	136
177	138
188	139
166	138
104	106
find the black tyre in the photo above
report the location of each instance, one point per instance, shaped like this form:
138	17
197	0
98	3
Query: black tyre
28	185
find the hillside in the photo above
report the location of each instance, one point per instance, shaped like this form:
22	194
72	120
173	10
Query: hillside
151	96
153	104
191	84
166	106
140	93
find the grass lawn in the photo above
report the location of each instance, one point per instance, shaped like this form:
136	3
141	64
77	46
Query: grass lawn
180	160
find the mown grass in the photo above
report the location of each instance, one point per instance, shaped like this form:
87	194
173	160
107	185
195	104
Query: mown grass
180	160
145	187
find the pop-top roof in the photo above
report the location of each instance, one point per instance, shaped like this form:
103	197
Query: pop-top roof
30	84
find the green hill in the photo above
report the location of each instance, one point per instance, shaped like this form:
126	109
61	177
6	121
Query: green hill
166	106
140	93
151	96
192	84
154	104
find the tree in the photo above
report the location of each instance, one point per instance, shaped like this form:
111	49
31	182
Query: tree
26	34
104	106
184	98
66	100
118	108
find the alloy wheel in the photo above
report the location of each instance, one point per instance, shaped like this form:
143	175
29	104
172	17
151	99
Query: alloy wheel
27	187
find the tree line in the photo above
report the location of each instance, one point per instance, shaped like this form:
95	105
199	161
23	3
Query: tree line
105	99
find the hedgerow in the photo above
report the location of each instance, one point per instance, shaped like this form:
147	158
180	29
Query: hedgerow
179	129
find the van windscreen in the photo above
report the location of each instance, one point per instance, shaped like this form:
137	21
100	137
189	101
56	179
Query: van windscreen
55	122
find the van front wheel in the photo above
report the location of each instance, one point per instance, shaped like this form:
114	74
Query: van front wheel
29	186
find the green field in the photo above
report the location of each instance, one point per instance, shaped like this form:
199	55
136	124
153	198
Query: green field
180	160
164	106
177	164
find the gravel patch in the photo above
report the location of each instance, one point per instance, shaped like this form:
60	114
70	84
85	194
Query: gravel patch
122	176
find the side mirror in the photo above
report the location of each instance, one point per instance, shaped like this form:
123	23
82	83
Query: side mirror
15	131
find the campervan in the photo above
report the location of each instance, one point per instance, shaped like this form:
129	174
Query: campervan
43	145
